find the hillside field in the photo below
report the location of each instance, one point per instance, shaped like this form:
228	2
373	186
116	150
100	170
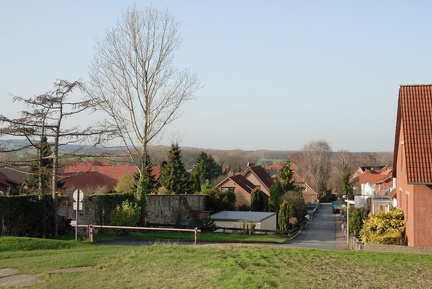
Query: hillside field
70	264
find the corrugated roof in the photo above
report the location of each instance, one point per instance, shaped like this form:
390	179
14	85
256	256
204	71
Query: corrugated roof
414	115
241	215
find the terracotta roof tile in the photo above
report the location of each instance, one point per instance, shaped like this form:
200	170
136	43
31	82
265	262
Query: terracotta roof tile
84	175
414	116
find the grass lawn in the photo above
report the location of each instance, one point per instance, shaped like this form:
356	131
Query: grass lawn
210	266
187	236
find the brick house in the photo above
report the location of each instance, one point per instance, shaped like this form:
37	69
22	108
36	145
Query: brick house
263	178
412	164
241	187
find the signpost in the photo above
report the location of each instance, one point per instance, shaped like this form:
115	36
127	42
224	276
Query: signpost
78	196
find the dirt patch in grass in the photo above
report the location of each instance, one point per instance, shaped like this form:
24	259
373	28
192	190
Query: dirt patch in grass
11	277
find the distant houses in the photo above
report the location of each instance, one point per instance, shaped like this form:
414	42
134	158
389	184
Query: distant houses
261	177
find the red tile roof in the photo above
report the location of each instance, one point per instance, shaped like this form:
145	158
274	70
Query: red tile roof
372	177
414	116
88	175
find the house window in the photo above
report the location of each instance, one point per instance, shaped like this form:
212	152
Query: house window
387	208
227	189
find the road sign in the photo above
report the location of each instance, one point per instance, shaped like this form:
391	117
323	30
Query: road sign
78	194
79	207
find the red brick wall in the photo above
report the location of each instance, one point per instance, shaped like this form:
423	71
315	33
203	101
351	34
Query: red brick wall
415	201
421	208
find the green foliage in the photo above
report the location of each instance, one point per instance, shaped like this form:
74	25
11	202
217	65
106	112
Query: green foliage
356	221
207	224
297	201
257	200
145	177
205	169
275	198
126	214
227	266
328	197
29	216
173	173
283	216
220	201
345	178
125	184
39	178
384	228
106	204
206	186
287	179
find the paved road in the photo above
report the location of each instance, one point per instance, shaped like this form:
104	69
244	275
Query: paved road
321	231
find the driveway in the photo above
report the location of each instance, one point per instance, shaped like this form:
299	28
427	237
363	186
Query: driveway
323	232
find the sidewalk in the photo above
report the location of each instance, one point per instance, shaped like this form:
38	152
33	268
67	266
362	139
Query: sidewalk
341	241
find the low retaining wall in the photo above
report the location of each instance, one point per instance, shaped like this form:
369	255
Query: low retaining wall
369	247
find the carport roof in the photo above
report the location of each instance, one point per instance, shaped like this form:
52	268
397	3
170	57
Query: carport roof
242	215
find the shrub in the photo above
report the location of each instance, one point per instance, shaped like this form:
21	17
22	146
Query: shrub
384	228
126	214
206	224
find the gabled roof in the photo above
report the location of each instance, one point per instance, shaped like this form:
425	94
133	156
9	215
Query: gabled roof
261	174
414	116
6	181
240	180
18	174
369	177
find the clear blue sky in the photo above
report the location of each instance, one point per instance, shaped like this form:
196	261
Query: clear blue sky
276	74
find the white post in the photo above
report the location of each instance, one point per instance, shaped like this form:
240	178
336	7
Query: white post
76	215
347	226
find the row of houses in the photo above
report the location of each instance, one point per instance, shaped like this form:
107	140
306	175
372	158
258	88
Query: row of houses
407	183
261	177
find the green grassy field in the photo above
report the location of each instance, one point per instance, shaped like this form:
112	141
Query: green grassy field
187	236
210	266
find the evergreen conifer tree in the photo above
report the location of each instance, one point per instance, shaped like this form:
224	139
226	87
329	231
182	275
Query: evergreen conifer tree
173	174
205	169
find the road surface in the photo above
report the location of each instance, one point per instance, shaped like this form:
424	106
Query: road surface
321	231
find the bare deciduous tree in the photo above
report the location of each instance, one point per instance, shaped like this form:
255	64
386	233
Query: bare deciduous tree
133	79
45	122
316	163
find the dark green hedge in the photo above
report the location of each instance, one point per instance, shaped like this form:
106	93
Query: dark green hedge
29	216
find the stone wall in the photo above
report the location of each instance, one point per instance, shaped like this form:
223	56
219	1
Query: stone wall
162	210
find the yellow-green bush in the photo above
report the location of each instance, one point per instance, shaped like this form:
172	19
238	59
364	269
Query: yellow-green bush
384	228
